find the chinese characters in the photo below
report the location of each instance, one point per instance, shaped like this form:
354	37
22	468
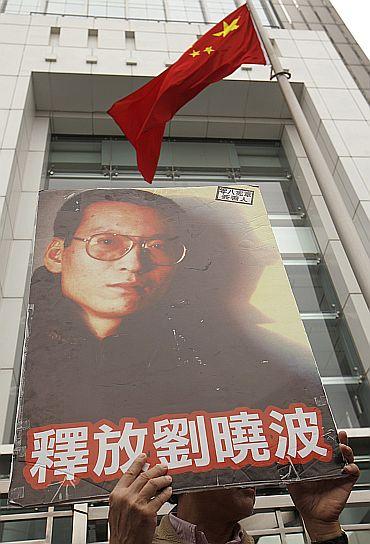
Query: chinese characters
185	442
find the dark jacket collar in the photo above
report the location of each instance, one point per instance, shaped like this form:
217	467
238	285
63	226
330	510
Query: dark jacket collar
60	318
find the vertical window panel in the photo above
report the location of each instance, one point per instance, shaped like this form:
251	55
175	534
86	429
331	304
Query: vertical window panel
62	530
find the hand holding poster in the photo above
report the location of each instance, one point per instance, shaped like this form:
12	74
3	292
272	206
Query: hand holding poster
148	332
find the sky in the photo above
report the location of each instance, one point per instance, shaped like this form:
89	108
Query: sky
356	16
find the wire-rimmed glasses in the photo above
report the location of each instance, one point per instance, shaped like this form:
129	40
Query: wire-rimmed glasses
111	246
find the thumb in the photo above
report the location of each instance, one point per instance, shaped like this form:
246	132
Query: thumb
352	471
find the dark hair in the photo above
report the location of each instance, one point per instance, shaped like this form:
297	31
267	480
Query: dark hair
69	215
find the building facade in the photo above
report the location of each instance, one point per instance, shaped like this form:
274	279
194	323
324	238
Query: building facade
63	63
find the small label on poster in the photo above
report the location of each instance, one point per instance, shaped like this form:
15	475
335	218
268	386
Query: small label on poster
231	194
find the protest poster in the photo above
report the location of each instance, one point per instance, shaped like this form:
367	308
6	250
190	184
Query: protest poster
152	328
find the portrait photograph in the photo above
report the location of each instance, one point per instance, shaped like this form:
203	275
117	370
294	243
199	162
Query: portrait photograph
162	321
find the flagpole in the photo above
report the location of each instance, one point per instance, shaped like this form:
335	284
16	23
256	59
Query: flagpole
347	232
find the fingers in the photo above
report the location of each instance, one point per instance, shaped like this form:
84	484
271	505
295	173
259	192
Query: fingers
343	437
347	453
144	477
154	486
351	470
161	498
133	472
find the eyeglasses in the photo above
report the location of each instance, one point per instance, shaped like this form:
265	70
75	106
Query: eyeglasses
110	246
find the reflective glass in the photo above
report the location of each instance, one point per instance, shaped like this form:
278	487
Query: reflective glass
171	10
216	9
5	461
308	285
62	530
75	9
261	13
295	241
56	7
30	529
115	11
97	11
291	518
267	13
8	429
281	195
183	10
332	352
114	161
353	515
358	537
143	9
344	402
97	530
364	479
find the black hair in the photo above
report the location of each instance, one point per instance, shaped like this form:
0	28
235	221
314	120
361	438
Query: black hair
69	215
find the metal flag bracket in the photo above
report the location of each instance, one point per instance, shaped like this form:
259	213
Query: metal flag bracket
284	72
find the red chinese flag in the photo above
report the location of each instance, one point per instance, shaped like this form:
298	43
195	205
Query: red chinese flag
143	114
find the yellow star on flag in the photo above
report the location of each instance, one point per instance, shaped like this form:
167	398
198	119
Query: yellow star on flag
195	53
209	50
228	28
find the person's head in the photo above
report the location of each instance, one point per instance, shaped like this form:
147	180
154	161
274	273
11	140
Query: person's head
224	506
116	251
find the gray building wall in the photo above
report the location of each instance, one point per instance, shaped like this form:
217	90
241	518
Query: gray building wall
321	15
288	14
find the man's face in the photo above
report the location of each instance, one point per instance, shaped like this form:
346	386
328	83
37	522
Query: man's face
114	289
224	505
232	504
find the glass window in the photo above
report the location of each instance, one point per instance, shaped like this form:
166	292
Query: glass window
291	518
181	160
334	355
353	515
217	9
308	286
364	479
30	529
343	400
56	7
358	537
97	530
144	9
22	6
266	13
62	530
97	11
163	10
5	462
184	10
115	11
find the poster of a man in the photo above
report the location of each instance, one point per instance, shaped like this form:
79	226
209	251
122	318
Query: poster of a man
147	332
